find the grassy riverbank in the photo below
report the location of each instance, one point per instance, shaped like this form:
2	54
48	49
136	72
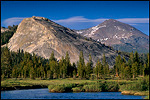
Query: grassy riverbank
71	85
12	84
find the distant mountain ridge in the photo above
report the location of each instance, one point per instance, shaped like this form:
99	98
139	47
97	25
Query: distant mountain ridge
119	35
4	29
41	36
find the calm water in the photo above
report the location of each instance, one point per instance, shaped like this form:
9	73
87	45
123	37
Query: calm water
44	94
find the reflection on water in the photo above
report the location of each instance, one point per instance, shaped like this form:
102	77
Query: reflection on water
45	94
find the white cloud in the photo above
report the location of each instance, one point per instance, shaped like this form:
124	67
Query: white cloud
134	20
13	21
82	19
78	19
80	22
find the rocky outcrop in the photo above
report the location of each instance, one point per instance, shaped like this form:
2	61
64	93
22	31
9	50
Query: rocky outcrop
141	93
41	36
119	35
4	29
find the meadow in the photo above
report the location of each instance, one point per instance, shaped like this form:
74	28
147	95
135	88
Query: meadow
127	87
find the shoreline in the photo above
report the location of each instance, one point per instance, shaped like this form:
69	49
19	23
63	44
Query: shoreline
139	93
17	84
23	87
136	93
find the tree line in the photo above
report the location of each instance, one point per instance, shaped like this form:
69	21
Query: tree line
5	36
21	64
132	68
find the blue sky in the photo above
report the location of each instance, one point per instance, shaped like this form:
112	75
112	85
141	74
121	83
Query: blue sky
78	14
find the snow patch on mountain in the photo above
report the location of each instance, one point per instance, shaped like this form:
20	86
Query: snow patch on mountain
79	32
123	36
94	29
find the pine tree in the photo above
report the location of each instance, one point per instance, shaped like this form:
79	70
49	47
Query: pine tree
118	62
127	72
41	71
64	69
49	74
68	64
96	69
147	65
35	60
81	66
105	66
52	58
74	74
136	57
144	70
107	69
131	59
134	69
14	72
89	67
25	71
141	69
32	73
122	74
6	62
137	61
61	67
53	65
124	60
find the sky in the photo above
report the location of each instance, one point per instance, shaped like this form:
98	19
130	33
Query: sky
78	14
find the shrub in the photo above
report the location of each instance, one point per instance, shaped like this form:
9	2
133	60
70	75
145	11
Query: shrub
92	88
77	89
140	85
61	88
51	87
111	86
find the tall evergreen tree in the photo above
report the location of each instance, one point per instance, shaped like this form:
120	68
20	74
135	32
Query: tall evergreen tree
131	59
136	59
127	72
147	65
25	68
89	67
68	64
32	73
141	69
52	57
14	72
97	69
54	69
122	74
61	67
134	69
6	62
118	62
81	66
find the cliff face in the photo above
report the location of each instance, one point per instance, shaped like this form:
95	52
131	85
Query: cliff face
119	35
42	36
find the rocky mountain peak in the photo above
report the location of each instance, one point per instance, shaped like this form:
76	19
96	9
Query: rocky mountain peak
41	18
41	36
115	33
110	20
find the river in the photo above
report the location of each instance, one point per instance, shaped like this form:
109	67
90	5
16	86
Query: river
45	94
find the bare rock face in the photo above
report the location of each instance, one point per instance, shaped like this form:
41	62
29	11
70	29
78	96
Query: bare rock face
41	36
119	35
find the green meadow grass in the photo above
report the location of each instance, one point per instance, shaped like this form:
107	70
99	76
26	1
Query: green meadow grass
76	85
